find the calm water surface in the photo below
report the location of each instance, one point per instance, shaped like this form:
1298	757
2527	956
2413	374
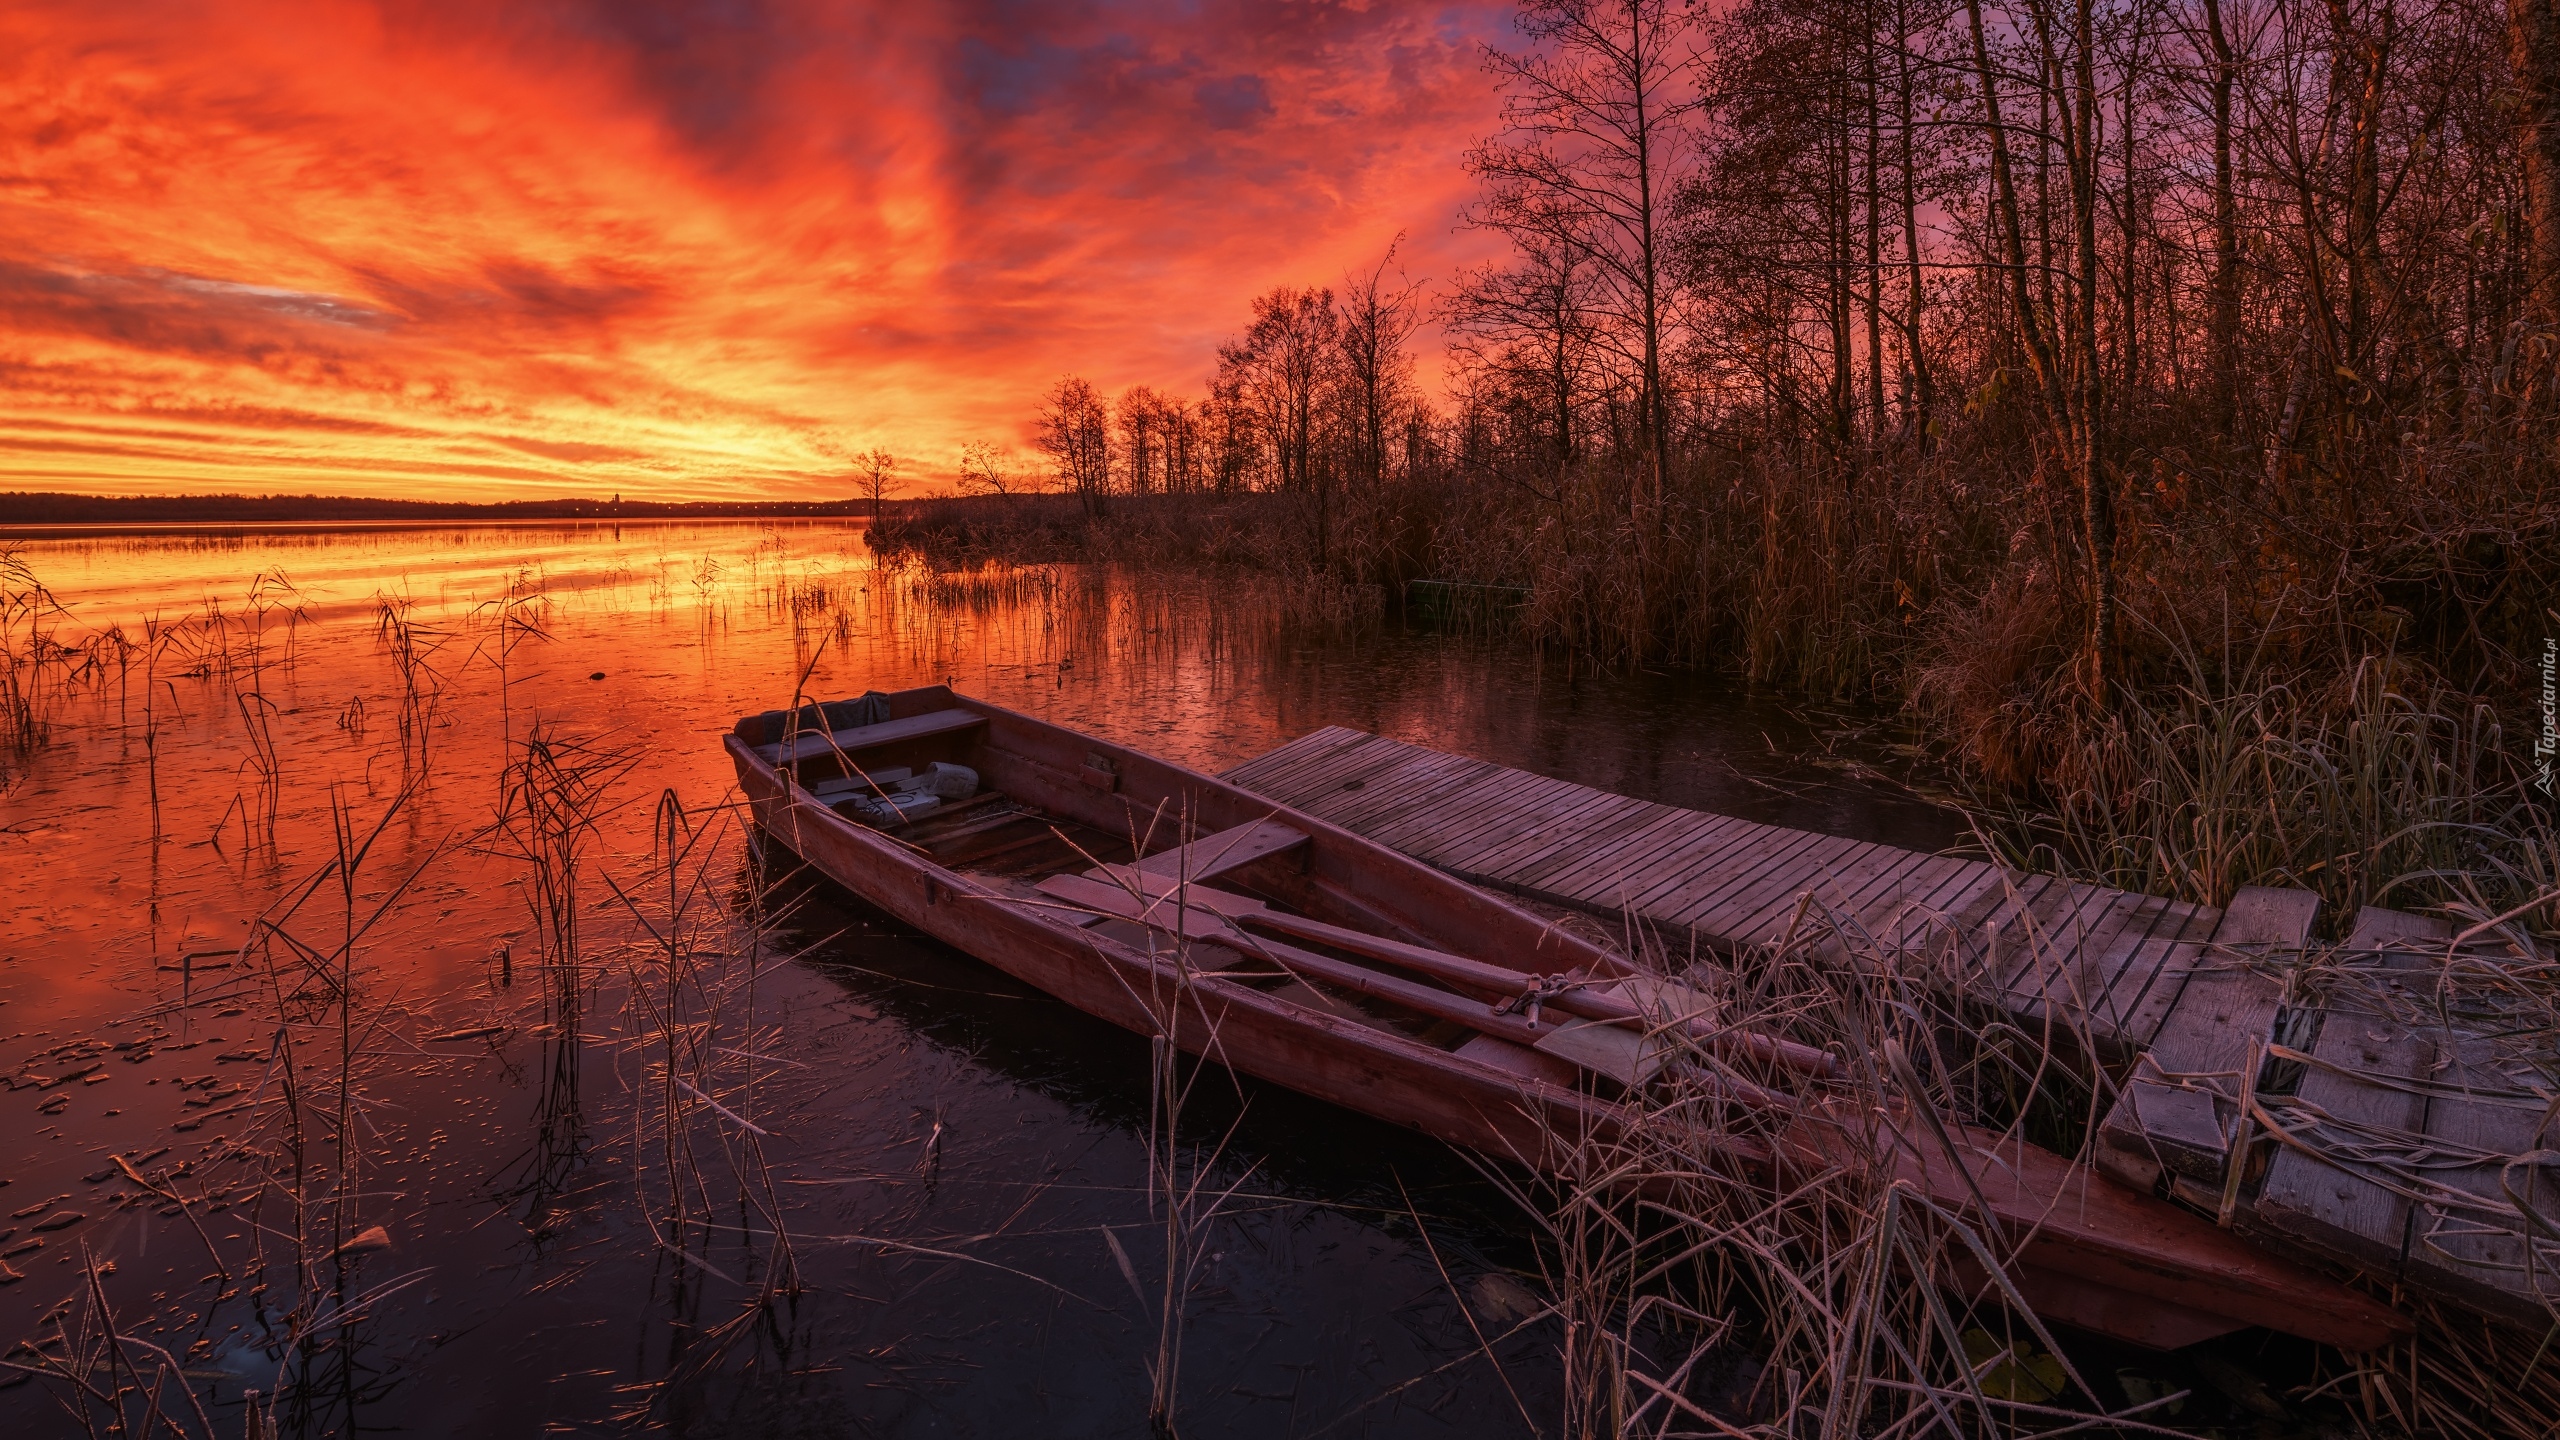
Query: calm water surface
921	1205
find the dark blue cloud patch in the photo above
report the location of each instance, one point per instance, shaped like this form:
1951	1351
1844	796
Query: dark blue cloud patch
1232	102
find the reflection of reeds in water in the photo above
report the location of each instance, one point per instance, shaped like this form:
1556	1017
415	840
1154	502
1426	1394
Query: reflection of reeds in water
112	1383
550	800
692	990
512	621
309	1238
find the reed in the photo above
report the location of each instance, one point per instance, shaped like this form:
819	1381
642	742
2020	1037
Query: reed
412	648
2381	786
26	609
551	800
1184	1197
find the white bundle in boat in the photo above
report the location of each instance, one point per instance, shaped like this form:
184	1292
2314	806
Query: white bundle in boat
946	781
905	796
890	809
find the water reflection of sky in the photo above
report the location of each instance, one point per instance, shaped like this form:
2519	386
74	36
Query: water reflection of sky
914	1098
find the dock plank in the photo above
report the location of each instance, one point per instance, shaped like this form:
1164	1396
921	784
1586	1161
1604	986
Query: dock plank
2365	1063
2108	960
2221	1007
2483	1134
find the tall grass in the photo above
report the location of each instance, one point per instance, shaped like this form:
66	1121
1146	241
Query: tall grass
2380	786
26	607
1823	1297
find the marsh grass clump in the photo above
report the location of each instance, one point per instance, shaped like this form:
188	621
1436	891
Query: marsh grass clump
551	806
1717	1270
26	610
412	648
2379	786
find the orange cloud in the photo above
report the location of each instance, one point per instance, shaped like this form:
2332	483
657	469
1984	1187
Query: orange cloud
671	248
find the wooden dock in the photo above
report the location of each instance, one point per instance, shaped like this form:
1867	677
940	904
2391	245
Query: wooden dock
2104	967
2411	1151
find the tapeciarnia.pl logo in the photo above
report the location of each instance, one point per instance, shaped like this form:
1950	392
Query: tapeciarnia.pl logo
2546	744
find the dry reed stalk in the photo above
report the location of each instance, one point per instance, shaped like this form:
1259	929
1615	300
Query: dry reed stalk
1839	1280
1179	1189
412	648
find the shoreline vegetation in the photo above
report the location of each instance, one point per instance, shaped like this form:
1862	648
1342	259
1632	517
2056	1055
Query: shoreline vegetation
2156	403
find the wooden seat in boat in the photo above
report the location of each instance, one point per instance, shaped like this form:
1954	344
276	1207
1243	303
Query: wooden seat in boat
866	737
1217	853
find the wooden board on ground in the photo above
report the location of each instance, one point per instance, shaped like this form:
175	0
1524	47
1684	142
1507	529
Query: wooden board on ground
2365	1078
2175	1113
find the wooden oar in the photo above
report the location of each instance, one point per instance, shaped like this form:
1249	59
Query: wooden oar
1624	1055
1584	999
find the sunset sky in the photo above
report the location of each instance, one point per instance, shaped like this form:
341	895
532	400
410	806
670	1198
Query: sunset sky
705	250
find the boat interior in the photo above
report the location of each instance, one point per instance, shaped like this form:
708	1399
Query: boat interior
1092	853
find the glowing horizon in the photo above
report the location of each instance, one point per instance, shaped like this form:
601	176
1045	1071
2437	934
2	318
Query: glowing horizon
677	251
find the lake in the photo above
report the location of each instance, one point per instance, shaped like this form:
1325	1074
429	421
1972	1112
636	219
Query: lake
335	1133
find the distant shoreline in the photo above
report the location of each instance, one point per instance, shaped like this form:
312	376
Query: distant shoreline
31	512
97	529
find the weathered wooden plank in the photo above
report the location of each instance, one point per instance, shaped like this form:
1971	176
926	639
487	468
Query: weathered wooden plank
1617	886
2026	943
1739	858
2221	1008
1750	912
1749	860
1491	798
1324	774
1569	825
1274	774
1846	887
1707	847
1397	790
1258	772
1922	900
2321	1204
1642	835
1347	786
2479	1243
2149	984
1885	884
1555	872
1535	804
1314	770
1443	823
2071	987
1450	792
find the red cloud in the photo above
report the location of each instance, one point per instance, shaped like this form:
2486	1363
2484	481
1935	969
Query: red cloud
669	249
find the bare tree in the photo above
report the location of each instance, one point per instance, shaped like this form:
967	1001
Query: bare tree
1376	372
875	471
987	470
1075	430
1593	142
1142	424
1281	368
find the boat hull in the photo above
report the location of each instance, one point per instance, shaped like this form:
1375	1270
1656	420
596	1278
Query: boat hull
2077	1246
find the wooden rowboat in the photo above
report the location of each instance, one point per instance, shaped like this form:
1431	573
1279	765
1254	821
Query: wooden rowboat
1167	901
